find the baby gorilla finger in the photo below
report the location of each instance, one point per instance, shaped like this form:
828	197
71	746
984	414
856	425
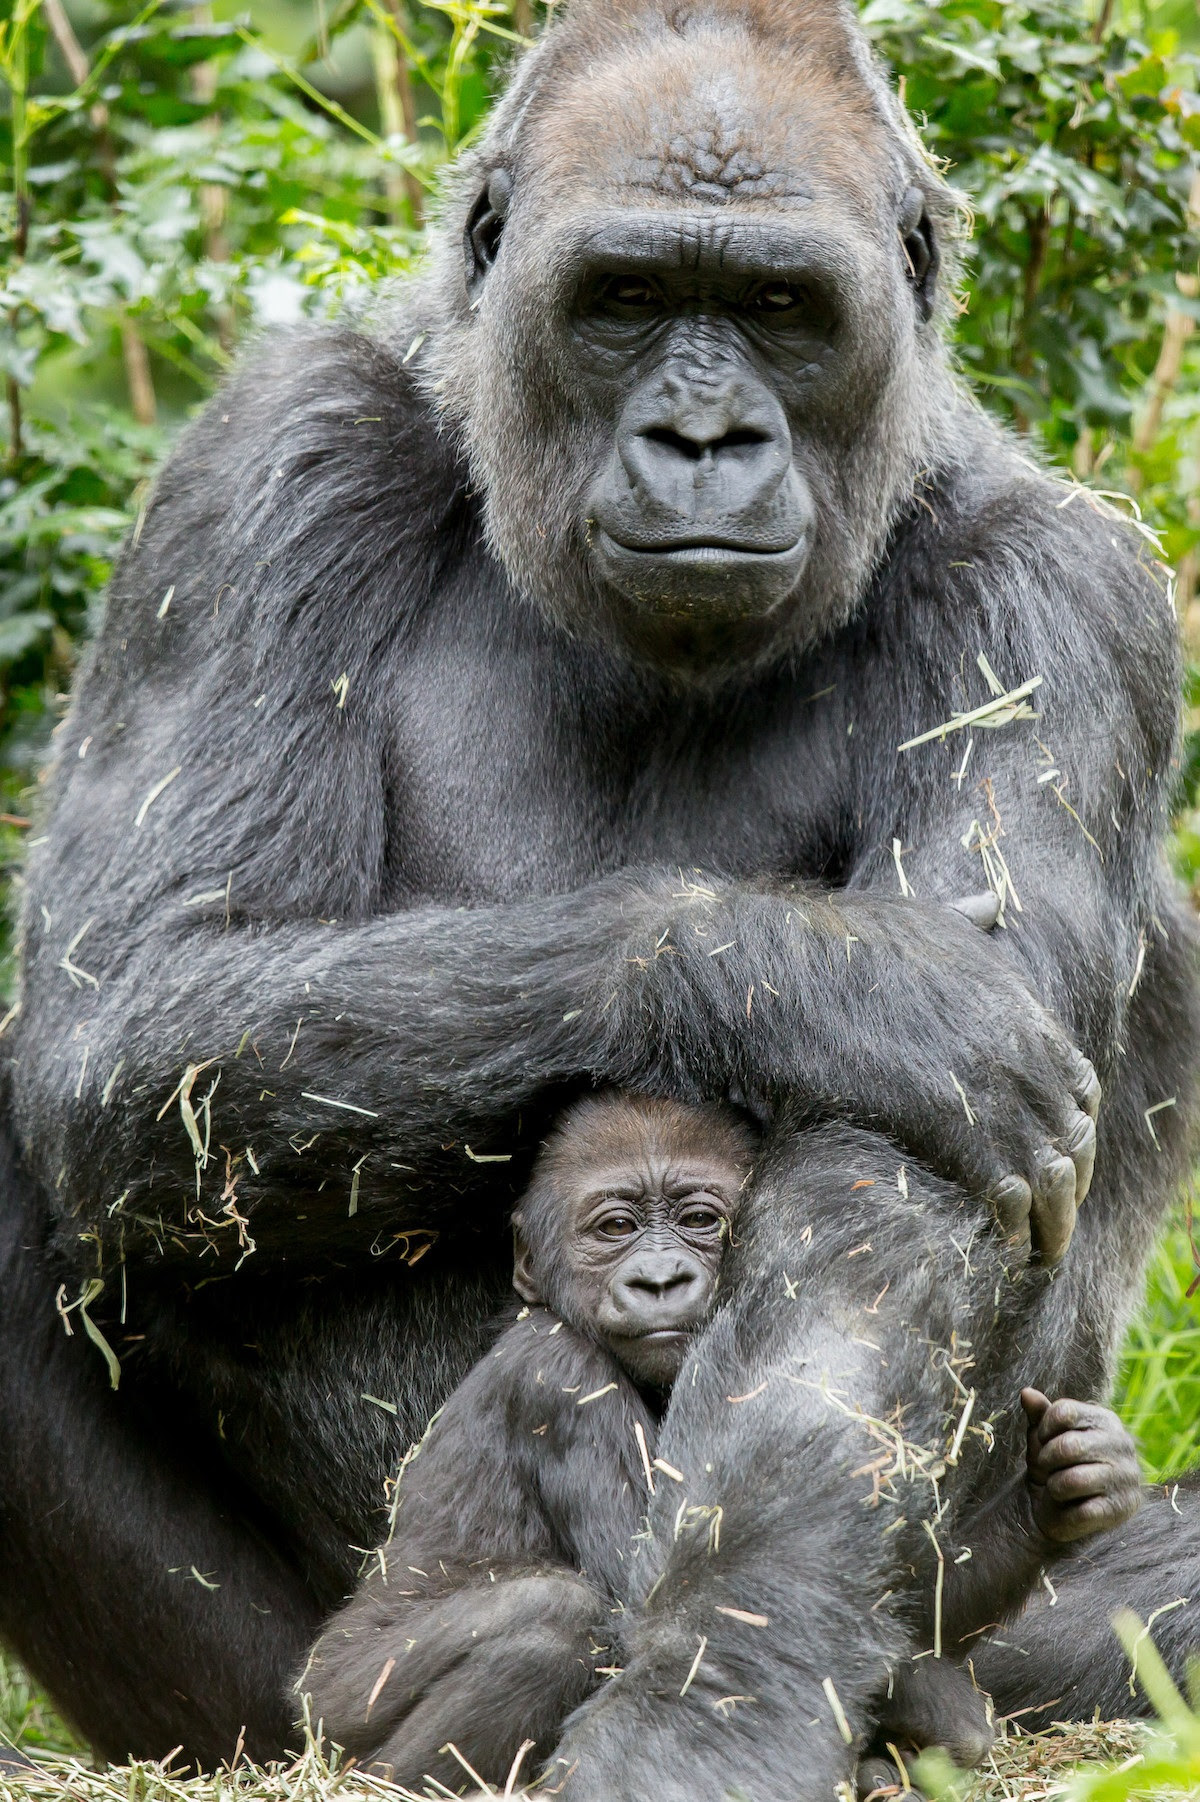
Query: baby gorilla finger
1095	1514
1087	1446
878	1777
1079	1483
1053	1211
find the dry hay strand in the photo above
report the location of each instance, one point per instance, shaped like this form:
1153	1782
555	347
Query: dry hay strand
1030	1766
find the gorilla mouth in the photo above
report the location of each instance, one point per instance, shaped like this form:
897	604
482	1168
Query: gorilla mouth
706	550
713	579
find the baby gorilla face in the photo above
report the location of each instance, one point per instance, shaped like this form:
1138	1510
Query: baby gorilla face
625	1221
647	1247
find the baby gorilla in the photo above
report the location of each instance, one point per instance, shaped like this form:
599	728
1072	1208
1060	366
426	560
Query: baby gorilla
487	1616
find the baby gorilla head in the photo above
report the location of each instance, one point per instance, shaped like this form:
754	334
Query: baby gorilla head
622	1228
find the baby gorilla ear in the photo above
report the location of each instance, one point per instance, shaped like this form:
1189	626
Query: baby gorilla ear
524	1281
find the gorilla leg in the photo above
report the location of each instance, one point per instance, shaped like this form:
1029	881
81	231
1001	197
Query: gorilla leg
824	1444
142	1597
1062	1655
494	1666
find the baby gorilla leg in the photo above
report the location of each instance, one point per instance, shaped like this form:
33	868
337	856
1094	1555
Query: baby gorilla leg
483	1669
934	1702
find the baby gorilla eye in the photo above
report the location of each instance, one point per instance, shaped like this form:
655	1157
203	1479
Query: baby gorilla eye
616	1226
700	1220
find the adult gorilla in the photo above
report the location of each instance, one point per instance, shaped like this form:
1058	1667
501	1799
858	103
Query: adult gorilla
636	543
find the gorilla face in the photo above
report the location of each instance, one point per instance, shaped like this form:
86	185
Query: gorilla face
700	507
695	363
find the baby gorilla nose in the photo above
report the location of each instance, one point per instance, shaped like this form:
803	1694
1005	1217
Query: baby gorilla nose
657	1293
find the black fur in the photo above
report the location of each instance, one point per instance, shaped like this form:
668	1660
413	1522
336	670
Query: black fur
399	856
1061	1659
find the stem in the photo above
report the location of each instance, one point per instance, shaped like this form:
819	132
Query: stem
1177	329
18	80
138	378
214	199
398	110
1103	21
1038	226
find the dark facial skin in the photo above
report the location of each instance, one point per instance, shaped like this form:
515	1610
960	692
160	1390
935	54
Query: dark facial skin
640	1229
701	499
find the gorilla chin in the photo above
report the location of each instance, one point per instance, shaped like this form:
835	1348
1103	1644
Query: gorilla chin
692	606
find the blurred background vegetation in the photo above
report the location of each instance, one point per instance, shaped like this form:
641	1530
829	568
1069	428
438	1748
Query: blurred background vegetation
176	174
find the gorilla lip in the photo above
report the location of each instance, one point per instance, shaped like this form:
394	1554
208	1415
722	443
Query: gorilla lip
726	580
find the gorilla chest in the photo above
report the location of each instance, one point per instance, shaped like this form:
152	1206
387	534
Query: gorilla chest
510	777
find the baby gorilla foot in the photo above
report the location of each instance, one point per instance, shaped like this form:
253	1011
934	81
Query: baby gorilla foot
933	1703
1081	1468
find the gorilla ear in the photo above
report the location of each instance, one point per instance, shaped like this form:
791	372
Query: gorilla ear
485	226
920	248
524	1281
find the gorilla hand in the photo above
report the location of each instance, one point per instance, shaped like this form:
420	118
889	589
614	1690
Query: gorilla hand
933	1703
1081	1470
893	1013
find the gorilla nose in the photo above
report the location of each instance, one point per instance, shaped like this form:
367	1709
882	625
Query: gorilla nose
659	1291
707	469
700	447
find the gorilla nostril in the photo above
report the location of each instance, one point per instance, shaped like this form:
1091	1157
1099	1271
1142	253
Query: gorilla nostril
693	449
662	1286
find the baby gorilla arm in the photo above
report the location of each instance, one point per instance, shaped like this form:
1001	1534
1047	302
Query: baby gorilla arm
1081	1478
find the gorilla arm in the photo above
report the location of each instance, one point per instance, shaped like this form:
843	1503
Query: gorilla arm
223	1021
1060	805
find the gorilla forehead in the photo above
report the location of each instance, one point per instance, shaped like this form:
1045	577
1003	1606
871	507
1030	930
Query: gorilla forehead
713	118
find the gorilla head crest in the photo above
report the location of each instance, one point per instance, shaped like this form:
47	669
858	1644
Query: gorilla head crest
691	274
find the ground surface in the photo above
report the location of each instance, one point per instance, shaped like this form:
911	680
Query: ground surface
1021	1768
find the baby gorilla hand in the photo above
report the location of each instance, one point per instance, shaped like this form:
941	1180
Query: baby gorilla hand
1082	1468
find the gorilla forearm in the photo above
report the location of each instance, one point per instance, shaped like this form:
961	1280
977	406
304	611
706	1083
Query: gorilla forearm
356	1061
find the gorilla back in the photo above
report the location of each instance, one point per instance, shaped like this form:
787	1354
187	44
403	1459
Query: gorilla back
525	717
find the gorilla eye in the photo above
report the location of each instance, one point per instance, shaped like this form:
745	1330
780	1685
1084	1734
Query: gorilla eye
629	291
616	1226
777	297
485	225
700	1220
920	248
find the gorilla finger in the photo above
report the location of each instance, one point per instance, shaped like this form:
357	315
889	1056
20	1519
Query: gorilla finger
1080	1146
982	910
1097	1514
1053	1211
1068	1449
1011	1201
1086	1085
1079	1483
1035	1404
